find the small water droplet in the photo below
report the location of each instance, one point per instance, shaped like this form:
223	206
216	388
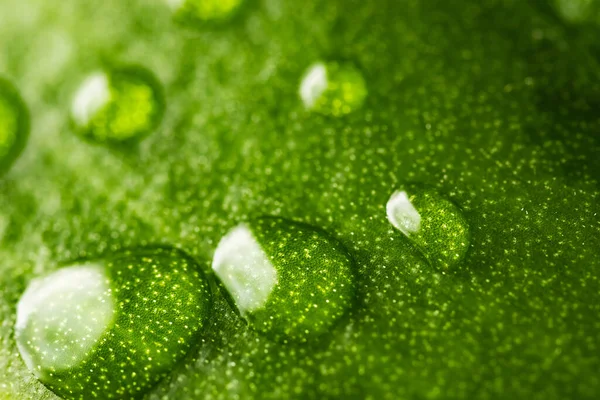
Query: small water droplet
14	125
112	328
118	105
333	88
204	10
577	11
289	280
432	222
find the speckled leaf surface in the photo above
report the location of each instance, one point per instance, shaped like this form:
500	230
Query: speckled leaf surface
493	103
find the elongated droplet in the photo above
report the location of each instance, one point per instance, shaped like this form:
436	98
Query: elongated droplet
118	105
14	125
333	88
290	280
112	328
432	222
204	10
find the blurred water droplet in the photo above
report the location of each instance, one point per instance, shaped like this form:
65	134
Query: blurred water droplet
577	11
112	328
432	222
290	280
118	105
204	10
333	88
14	125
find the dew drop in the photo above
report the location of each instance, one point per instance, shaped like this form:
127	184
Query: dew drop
204	10
577	11
118	105
432	222
333	88
14	125
289	280
112	328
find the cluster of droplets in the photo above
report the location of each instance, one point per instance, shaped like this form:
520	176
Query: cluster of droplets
114	327
126	103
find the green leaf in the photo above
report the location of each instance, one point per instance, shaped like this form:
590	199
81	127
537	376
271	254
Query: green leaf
492	103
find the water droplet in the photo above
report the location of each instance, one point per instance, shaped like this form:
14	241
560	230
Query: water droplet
577	11
204	10
118	105
333	88
289	280
14	125
432	222
112	328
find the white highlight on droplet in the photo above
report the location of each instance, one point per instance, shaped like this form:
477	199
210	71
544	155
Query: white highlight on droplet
91	97
61	317
402	214
245	269
313	84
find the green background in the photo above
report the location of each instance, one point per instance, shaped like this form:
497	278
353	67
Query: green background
493	102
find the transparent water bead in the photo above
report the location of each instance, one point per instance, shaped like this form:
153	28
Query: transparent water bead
205	10
112	328
290	280
432	222
333	88
14	125
577	11
63	315
118	105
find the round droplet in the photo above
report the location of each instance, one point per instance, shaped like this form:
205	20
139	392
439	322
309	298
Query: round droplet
14	125
118	105
333	88
432	222
205	10
112	328
577	11
289	280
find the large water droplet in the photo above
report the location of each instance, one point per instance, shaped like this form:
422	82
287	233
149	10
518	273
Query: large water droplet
112	328
333	88
205	10
432	222
576	11
14	125
118	105
290	280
